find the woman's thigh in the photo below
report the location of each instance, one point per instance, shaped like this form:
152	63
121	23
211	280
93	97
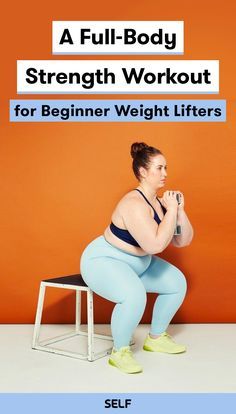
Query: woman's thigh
112	279
163	277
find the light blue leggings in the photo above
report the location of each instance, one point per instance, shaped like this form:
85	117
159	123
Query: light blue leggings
125	279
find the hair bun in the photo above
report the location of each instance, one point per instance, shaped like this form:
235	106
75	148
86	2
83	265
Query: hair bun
136	147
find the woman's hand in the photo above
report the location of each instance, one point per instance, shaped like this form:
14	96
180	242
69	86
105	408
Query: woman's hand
169	200
181	200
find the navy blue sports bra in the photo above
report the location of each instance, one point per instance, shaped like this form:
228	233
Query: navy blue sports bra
124	234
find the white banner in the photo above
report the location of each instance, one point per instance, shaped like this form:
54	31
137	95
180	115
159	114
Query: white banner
118	37
117	76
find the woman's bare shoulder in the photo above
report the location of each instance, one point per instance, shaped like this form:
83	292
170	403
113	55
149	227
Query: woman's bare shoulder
131	199
130	196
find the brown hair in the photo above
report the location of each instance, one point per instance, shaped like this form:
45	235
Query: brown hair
141	154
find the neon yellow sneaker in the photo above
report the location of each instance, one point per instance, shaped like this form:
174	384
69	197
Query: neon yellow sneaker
123	360
164	343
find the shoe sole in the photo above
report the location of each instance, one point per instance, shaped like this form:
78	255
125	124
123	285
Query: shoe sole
113	364
149	349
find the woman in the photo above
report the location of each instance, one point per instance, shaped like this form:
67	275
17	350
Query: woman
122	267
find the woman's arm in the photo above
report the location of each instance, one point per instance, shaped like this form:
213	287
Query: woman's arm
186	236
166	229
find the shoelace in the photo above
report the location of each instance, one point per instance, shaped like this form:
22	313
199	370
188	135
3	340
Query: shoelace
126	352
166	334
169	337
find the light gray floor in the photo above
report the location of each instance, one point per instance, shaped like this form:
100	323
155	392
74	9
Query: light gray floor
209	365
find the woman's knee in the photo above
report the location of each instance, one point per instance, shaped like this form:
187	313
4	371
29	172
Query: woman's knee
136	295
180	281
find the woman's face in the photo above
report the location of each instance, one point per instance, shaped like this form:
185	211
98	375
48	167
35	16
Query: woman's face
156	173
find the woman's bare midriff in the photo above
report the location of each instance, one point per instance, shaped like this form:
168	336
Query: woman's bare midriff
117	219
